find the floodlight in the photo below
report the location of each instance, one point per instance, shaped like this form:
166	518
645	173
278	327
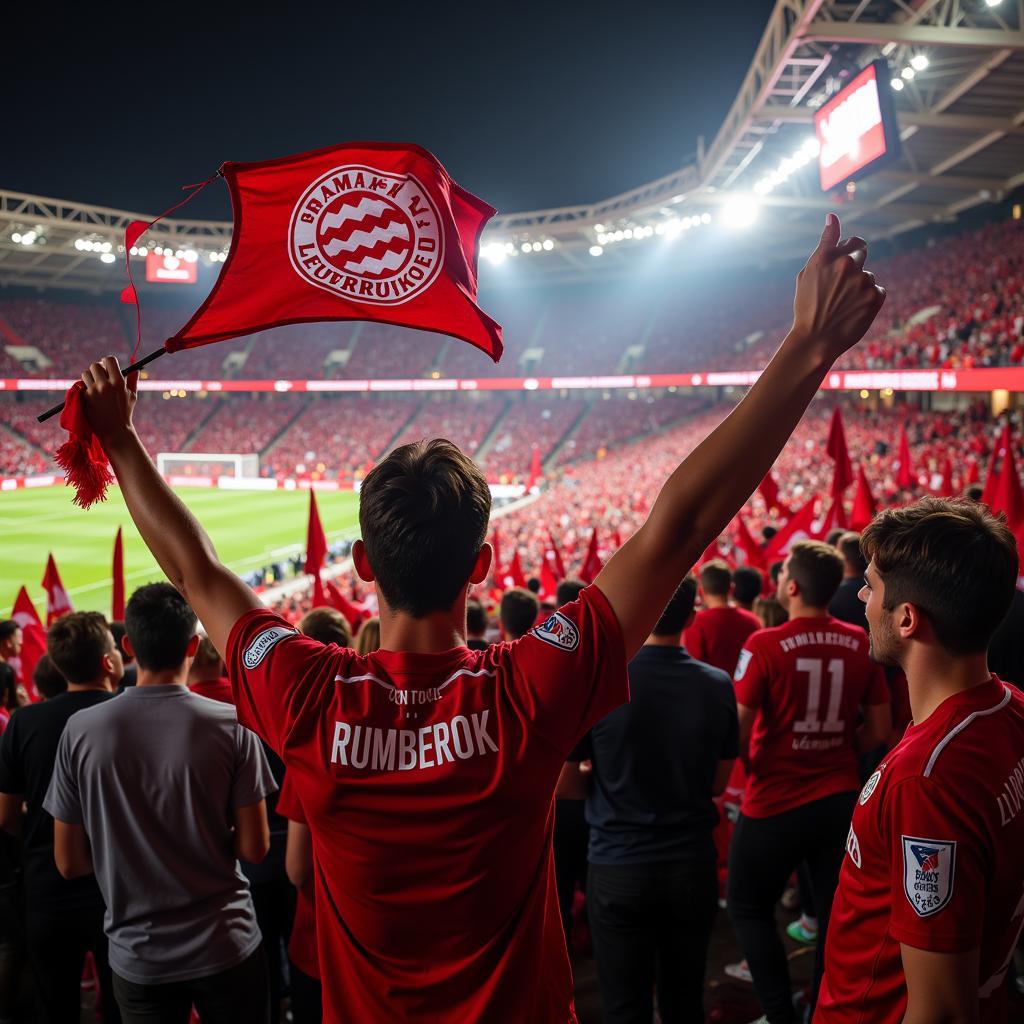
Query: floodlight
897	85
908	73
596	250
107	257
740	211
493	252
548	245
526	247
919	62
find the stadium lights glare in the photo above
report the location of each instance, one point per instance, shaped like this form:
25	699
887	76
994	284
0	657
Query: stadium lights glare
919	62
493	252
808	150
525	247
596	250
548	245
107	257
908	73
993	3
740	211
897	84
191	255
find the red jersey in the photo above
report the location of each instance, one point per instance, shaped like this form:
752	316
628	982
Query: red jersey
428	783
933	860
807	679
302	943
214	689
717	635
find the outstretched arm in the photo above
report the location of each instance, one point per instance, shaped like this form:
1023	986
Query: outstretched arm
836	301
171	532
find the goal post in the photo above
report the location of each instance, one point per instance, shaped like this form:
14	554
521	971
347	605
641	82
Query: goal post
208	465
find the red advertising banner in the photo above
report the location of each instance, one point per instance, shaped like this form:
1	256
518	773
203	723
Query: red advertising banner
170	269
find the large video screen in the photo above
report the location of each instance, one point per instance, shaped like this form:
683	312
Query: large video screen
857	129
170	269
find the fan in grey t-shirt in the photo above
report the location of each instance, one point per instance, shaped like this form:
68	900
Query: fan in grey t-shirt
153	776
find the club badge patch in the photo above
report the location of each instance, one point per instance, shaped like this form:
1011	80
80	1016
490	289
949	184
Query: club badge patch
558	631
853	847
366	235
257	650
741	665
929	866
869	787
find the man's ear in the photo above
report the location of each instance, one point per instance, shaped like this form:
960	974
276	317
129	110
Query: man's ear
361	562
909	621
193	646
126	646
482	566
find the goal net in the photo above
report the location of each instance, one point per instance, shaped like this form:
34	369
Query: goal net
206	466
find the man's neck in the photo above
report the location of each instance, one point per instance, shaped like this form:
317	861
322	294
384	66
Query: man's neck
851	574
102	685
933	677
662	641
436	632
168	677
803	611
714	601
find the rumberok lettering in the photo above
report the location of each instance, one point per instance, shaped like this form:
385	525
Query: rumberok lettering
368	748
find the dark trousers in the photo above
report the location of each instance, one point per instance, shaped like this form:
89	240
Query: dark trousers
651	925
307	997
764	853
57	941
241	993
570	841
274	902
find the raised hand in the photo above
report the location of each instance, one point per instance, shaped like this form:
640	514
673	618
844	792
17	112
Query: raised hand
836	298
109	399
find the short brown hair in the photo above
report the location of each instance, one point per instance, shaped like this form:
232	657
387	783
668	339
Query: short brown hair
770	612
817	569
77	643
47	679
423	513
715	578
207	660
368	637
849	547
327	625
518	612
952	559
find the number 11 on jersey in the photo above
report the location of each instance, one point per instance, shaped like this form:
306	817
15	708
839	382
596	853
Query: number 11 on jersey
812	722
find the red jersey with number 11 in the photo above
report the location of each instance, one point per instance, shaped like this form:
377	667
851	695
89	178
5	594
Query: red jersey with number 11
807	679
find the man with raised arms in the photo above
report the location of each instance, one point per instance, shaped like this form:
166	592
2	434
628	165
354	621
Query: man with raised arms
436	883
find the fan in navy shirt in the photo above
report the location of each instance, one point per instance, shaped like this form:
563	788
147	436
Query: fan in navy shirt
656	765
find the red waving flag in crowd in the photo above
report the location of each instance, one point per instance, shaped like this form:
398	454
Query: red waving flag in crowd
905	471
57	600
117	584
363	231
316	550
33	638
838	451
864	506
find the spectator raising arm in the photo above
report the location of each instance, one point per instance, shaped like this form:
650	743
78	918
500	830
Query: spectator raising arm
171	532
836	301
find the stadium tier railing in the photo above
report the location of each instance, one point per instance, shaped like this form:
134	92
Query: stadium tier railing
1006	378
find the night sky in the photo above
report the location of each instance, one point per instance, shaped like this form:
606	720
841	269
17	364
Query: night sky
529	105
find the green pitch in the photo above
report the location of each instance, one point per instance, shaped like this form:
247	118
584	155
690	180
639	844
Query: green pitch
248	528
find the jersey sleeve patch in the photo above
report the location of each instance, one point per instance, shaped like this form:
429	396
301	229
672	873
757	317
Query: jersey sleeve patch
263	642
558	631
742	663
929	868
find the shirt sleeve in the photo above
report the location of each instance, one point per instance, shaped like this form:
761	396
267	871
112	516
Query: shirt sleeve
275	674
751	675
939	863
570	671
730	749
288	803
253	781
63	799
12	778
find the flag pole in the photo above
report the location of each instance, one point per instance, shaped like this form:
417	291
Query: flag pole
144	361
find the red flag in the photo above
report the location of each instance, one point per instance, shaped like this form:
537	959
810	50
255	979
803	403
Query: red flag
334	597
988	495
864	507
117	585
746	543
904	473
553	557
835	519
837	512
710	552
800	526
57	601
363	231
514	573
770	492
946	489
33	639
972	471
535	469
548	581
316	542
838	451
1008	496
592	562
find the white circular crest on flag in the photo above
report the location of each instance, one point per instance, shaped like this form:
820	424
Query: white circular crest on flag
366	235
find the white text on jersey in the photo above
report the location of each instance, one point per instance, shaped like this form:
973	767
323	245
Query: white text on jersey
1011	800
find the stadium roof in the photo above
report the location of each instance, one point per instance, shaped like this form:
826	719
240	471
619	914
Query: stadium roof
960	111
